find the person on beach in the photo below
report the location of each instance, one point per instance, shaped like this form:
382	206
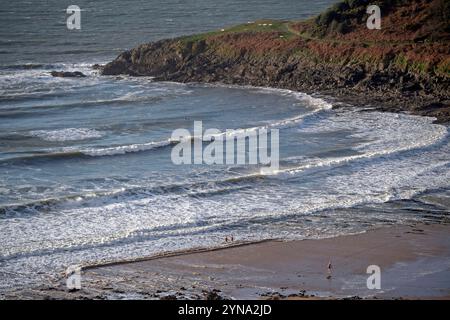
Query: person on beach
330	267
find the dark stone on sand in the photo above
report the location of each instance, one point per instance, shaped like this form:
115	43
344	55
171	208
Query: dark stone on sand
352	298
169	297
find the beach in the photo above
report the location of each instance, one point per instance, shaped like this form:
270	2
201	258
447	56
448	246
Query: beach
414	262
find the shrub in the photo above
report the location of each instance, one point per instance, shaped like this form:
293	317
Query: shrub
326	17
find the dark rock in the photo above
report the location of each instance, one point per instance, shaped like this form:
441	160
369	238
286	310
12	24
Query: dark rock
68	74
169	297
97	66
352	298
213	295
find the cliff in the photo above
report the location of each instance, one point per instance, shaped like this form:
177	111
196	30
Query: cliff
404	66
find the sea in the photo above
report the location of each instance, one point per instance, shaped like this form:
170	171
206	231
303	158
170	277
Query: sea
86	174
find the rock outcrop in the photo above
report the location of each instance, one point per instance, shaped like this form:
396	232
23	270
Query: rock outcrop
68	74
405	66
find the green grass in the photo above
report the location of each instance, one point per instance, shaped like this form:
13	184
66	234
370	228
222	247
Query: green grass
419	67
443	68
197	37
401	62
256	26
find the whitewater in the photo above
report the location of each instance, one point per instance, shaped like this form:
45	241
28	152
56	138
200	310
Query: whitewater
86	173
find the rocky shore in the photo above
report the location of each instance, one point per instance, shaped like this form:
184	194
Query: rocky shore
405	66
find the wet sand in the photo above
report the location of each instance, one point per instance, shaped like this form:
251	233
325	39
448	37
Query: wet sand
414	262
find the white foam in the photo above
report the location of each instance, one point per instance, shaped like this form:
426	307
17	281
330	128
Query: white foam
385	134
67	134
125	148
311	101
317	104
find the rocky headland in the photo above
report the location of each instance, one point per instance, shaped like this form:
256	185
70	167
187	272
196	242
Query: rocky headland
404	66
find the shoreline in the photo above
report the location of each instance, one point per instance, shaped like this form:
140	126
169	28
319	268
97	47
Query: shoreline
362	98
414	259
378	69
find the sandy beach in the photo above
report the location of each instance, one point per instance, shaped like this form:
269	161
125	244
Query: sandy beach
414	262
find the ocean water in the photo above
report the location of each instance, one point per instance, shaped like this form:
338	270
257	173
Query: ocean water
85	164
